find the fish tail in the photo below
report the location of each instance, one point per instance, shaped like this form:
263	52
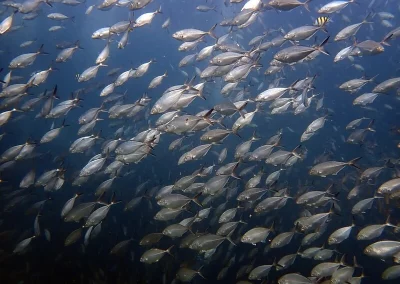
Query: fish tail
40	50
306	5
321	49
353	162
297	147
356	264
386	39
228	237
48	3
373	78
342	260
169	250
201	275
389	164
234	175
211	32
207	115
200	95
370	125
196	199
365	21
54	95
387	222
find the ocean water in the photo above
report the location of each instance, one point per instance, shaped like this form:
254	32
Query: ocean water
52	262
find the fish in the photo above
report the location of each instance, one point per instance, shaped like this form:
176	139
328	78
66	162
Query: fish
146	18
296	53
382	249
210	189
321	21
332	167
6	24
350	31
391	273
27	59
287	5
60	17
303	32
154	255
192	34
335	6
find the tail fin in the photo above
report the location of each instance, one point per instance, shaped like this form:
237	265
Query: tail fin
40	50
196	199
211	32
305	4
199	273
77	44
294	84
294	151
229	238
353	162
365	21
389	164
54	95
386	39
320	47
48	3
373	78
355	263
370	126
207	116
169	250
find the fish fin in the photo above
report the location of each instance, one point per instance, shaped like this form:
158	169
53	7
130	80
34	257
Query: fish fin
196	200
389	164
237	134
228	237
201	275
200	95
40	50
169	250
305	4
355	263
320	47
342	260
370	126
353	162
207	116
365	21
211	32
386	39
234	175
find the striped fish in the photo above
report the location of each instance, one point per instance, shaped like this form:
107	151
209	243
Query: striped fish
321	21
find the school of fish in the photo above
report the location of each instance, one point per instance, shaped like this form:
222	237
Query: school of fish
241	163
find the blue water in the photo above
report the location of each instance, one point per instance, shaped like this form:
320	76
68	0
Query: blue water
50	262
